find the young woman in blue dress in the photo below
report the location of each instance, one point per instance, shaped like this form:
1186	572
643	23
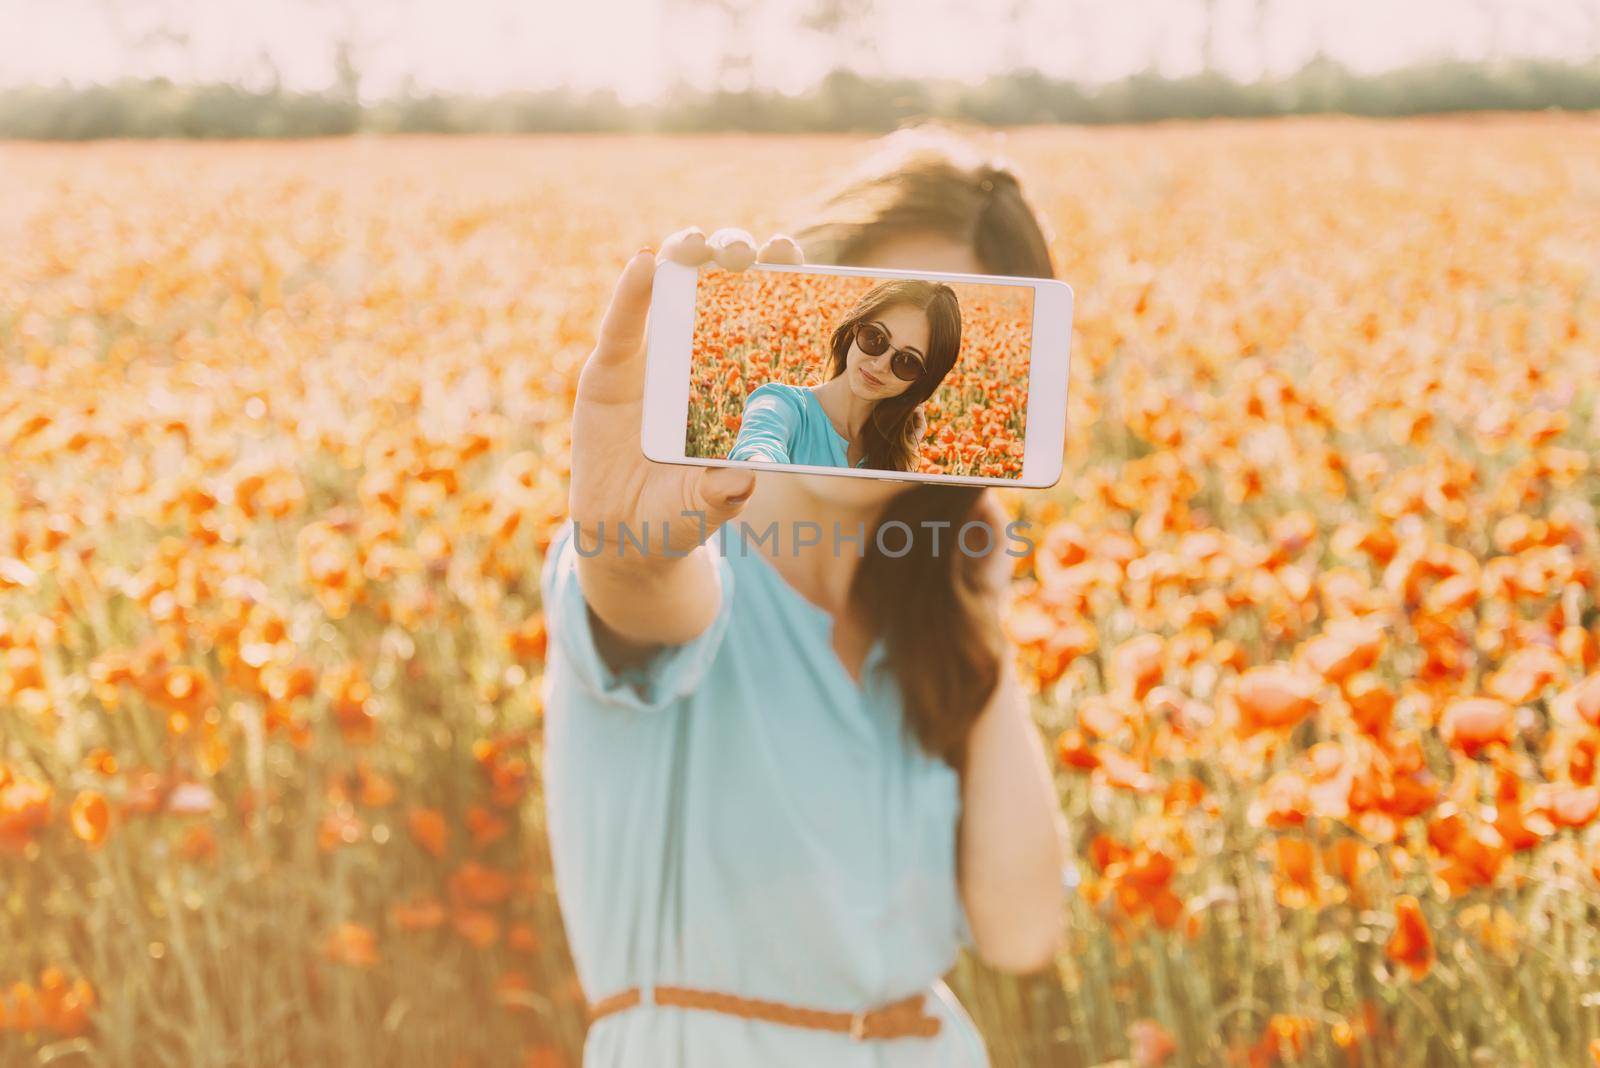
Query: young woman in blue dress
785	788
888	355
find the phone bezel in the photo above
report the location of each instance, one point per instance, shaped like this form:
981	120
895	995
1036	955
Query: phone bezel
669	347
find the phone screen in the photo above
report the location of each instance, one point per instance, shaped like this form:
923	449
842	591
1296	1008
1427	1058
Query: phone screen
871	373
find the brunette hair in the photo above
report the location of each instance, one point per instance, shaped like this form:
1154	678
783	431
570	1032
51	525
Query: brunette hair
891	432
935	610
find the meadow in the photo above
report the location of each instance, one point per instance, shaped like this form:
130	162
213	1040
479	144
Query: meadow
1311	624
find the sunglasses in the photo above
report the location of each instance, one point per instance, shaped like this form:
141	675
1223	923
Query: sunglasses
906	364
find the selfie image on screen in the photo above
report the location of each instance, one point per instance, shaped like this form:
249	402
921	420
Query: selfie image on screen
869	373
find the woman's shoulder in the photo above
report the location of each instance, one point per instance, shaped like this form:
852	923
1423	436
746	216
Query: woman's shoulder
779	393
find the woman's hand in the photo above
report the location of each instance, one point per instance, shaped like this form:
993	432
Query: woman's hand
660	596
999	566
919	425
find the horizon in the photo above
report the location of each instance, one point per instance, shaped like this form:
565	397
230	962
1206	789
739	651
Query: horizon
429	46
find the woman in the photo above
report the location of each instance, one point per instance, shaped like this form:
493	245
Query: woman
783	791
889	355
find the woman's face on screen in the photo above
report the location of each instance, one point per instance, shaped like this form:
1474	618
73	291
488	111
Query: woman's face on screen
914	251
871	378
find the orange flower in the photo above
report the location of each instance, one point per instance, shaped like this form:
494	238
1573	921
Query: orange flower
522	938
1286	1037
1136	665
198	843
352	944
478	927
351	702
1274	697
1139	880
528	641
1103	715
1411	945
14	574
24	811
184	693
1122	771
1573	806
486	828
63	1007
421	915
1472	724
90	817
1585	697
1296	873
374	789
1344	649
1495	927
1371	702
430	830
1474	854
1350	859
1284	800
478	884
511	989
339	828
544	1057
1150	1044
26	1014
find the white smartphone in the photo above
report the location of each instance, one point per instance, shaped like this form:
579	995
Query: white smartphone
913	376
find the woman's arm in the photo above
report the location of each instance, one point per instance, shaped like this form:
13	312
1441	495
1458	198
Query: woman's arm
1013	837
766	428
667	593
646	603
1012	843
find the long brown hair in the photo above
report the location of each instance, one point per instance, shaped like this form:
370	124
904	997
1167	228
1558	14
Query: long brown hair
891	433
934	609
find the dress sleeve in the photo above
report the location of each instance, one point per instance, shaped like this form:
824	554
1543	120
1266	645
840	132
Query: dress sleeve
767	430
671	671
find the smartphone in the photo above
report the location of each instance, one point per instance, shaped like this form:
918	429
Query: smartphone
913	376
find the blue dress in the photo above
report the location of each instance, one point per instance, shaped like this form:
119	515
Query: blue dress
739	815
786	425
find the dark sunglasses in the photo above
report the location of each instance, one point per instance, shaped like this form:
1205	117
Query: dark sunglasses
906	364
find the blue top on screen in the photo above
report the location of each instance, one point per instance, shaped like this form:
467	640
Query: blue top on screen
786	425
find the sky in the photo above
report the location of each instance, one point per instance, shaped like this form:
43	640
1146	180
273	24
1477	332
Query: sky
639	47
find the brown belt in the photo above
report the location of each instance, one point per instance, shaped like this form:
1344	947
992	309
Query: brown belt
897	1019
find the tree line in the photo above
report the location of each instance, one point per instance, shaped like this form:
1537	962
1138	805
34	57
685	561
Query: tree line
842	101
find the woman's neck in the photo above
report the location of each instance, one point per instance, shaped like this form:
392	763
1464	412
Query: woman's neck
843	407
820	572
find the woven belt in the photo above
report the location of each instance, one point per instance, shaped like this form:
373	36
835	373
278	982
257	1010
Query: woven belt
904	1018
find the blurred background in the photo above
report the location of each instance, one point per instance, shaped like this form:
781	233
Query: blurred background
1312	627
166	68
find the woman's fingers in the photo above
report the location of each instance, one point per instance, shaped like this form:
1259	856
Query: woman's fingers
724	491
688	247
997	570
621	338
780	248
733	249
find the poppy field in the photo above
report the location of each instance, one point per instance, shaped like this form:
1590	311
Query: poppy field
1311	623
757	327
